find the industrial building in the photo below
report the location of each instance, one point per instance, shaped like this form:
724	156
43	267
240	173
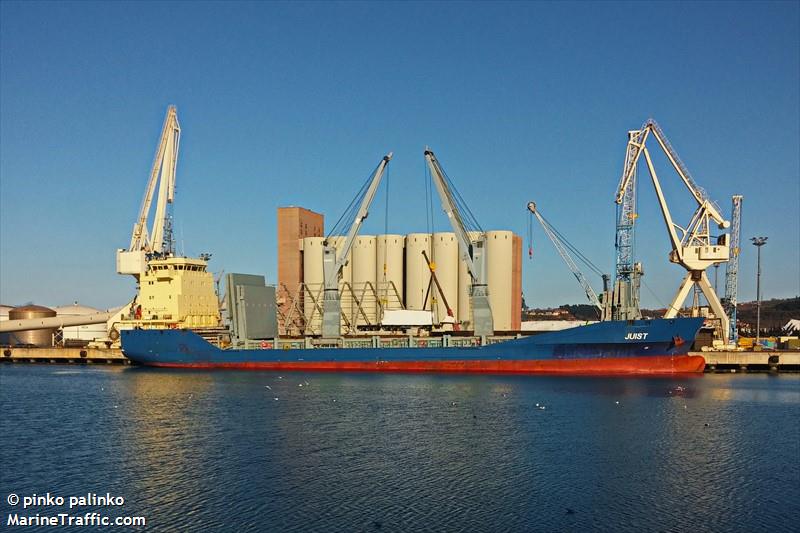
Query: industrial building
389	272
294	224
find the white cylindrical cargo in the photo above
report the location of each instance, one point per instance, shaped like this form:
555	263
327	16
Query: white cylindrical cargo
445	259
389	270
364	279
314	283
417	274
500	252
464	284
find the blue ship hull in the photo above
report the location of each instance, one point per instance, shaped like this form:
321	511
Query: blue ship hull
618	347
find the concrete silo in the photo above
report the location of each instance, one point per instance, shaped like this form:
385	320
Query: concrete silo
500	259
314	284
445	257
364	277
417	274
389	270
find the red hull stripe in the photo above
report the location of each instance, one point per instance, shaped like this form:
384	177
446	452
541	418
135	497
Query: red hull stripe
622	365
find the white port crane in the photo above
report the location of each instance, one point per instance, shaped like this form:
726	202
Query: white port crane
473	253
693	247
732	268
156	239
333	262
562	246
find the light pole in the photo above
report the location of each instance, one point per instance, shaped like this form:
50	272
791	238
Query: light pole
758	242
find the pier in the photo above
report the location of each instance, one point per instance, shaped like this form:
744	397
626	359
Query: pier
763	361
64	356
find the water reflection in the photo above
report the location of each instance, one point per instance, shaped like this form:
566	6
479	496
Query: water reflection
410	452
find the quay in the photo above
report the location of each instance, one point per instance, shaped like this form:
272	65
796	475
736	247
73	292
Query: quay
763	361
64	356
716	362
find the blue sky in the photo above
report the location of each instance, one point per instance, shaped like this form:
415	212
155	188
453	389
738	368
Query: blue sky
294	104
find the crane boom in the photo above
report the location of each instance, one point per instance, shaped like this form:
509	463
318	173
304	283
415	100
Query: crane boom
156	239
164	165
565	255
473	253
332	262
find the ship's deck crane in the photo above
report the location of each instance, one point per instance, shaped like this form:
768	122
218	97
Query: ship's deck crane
732	268
332	262
473	253
157	239
563	246
694	248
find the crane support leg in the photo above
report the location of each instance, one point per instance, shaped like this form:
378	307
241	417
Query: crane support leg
680	296
716	306
699	277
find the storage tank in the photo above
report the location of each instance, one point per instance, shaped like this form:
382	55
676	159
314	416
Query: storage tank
364	279
314	283
445	257
464	284
500	259
34	337
80	335
417	274
389	270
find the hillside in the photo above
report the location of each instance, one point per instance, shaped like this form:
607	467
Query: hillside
774	313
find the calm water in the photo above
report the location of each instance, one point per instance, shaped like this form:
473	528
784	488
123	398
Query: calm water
365	452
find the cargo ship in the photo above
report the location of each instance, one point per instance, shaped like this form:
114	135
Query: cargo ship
639	347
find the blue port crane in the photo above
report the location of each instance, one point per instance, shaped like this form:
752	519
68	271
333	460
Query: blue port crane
732	268
625	305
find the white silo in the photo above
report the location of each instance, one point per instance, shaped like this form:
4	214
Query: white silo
445	257
500	253
364	278
417	274
314	283
464	284
389	270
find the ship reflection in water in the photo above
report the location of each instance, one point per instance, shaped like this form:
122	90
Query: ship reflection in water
268	451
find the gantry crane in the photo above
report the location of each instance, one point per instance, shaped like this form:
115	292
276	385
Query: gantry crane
157	239
333	262
694	248
732	268
473	253
603	304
